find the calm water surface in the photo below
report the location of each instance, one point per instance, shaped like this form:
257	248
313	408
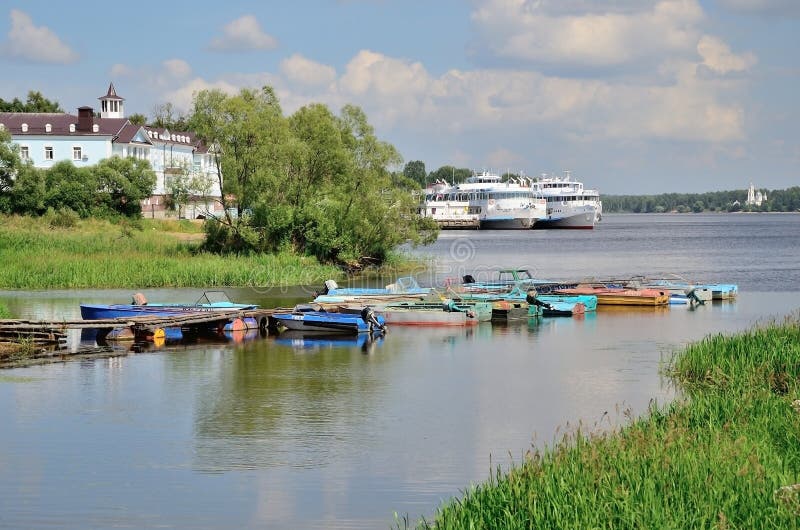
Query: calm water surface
298	433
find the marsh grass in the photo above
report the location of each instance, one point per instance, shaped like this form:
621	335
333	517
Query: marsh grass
727	455
4	311
98	254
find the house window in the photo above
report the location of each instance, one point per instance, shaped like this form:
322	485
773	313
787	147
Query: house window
77	153
48	152
24	153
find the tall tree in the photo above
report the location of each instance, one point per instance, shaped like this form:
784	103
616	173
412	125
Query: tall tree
166	116
415	170
138	119
10	164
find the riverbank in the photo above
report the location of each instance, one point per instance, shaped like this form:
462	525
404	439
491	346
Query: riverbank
101	254
727	455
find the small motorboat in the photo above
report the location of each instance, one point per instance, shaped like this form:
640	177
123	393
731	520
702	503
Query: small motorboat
209	301
621	296
328	322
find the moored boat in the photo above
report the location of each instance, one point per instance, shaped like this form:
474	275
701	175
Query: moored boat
328	322
209	301
621	296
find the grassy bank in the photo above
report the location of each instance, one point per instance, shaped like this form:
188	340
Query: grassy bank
96	254
725	456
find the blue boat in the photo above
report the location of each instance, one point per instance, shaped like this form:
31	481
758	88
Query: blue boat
323	321
209	301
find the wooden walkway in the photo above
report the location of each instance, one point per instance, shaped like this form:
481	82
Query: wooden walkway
54	331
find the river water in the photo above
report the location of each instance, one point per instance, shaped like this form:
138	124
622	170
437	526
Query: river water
339	433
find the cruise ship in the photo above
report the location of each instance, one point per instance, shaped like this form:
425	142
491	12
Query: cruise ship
485	201
569	205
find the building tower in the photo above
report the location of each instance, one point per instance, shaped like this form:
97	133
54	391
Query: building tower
111	105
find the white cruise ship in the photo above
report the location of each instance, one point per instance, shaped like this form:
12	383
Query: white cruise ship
485	198
569	205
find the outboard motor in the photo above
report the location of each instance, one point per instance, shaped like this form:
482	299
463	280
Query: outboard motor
329	286
368	316
532	300
139	299
468	278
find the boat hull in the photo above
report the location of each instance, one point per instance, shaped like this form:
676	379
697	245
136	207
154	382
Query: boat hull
103	311
518	223
582	220
324	322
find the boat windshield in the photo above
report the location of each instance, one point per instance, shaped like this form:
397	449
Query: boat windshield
213	297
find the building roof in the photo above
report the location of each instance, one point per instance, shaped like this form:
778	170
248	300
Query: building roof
128	133
59	124
111	94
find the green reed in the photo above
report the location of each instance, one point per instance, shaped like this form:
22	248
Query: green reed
4	312
97	254
726	455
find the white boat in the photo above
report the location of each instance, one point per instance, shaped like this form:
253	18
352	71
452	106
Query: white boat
569	205
486	198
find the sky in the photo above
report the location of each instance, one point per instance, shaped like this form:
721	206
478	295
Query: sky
630	96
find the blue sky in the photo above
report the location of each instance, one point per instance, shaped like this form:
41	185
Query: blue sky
633	96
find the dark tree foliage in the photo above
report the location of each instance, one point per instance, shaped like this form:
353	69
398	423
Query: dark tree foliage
415	170
36	102
138	119
451	174
714	201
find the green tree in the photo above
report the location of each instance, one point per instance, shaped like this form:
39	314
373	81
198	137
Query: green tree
28	193
315	182
415	170
10	164
36	102
123	183
71	187
138	119
166	116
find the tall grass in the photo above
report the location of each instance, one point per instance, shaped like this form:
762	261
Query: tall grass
4	312
96	254
725	456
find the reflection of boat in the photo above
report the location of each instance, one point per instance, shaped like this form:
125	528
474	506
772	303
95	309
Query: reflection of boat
301	340
209	301
327	322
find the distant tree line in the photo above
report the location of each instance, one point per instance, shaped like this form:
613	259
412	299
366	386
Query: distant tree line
787	200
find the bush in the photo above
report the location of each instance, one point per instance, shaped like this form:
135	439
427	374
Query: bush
63	218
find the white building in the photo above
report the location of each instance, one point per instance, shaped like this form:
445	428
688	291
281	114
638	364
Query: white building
83	139
755	198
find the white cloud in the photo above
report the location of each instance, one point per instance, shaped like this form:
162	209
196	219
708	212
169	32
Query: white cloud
243	34
35	43
304	71
717	56
160	77
579	35
177	68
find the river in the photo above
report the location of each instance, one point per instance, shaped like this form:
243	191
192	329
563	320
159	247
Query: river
344	433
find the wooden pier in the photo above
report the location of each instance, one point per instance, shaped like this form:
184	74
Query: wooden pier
52	332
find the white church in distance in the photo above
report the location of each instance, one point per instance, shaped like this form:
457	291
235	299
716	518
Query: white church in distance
83	139
755	198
